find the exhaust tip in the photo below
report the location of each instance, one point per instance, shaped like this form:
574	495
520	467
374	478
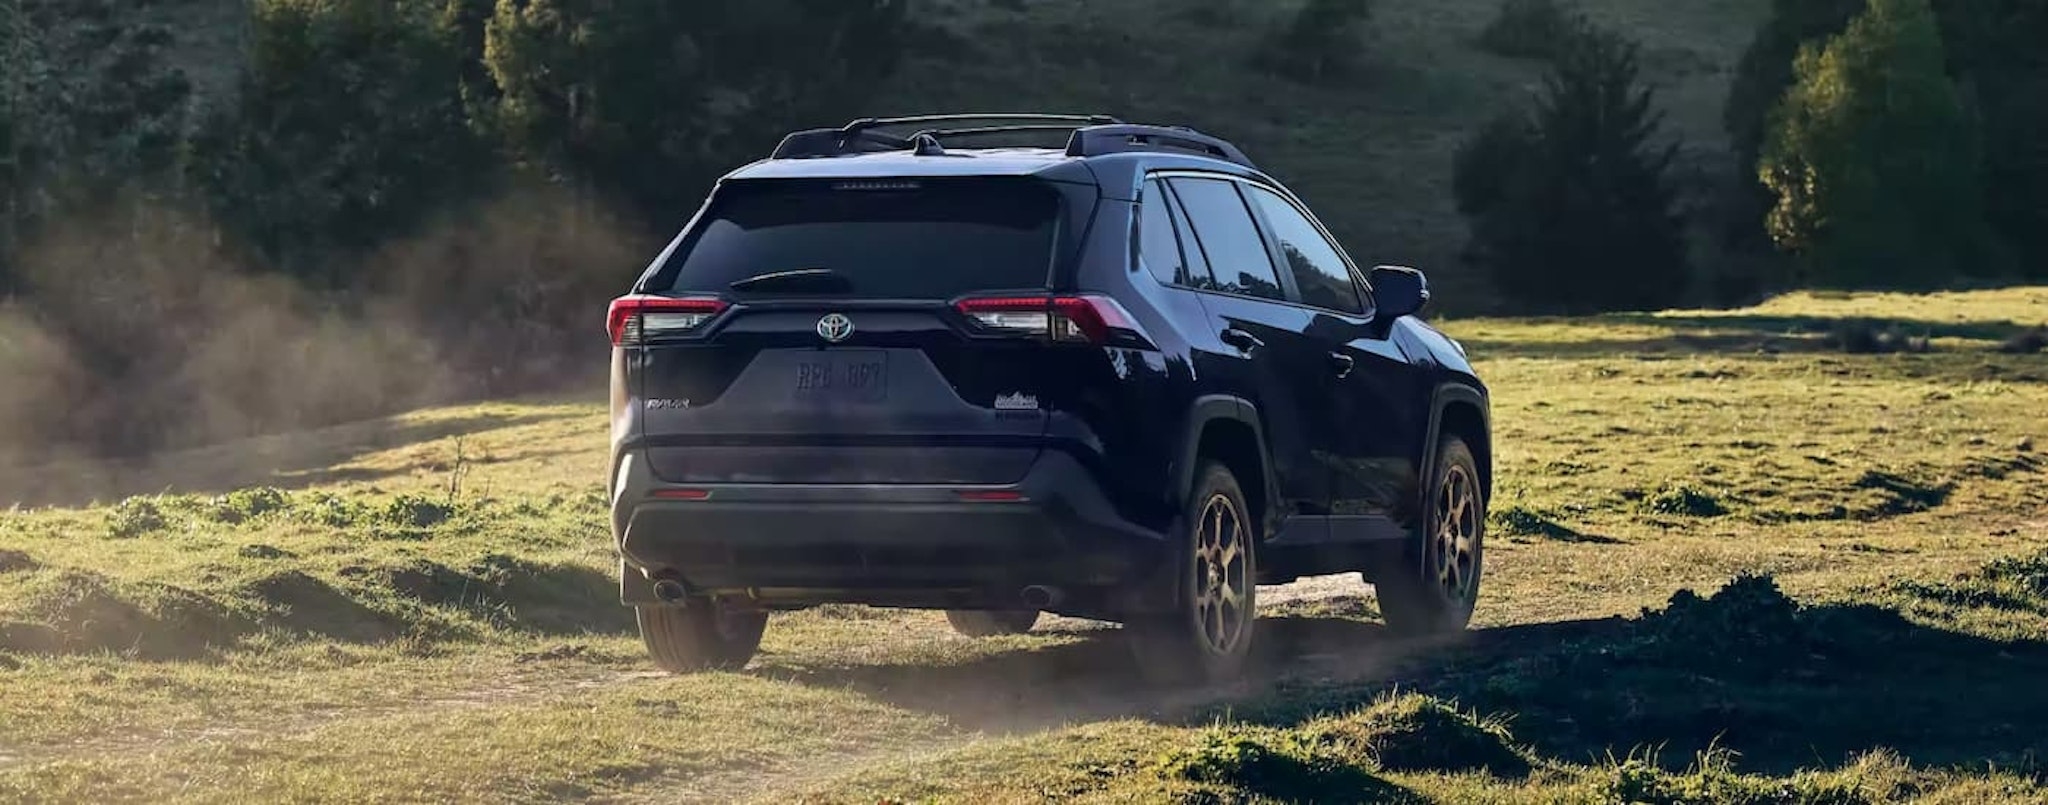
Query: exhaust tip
670	591
1038	596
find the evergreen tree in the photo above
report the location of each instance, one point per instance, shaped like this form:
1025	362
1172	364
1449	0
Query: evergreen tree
1571	205
1873	160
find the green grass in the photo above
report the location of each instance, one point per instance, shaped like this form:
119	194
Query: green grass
1730	562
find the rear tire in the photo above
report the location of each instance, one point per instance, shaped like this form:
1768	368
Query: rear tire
991	623
1207	632
703	636
1436	585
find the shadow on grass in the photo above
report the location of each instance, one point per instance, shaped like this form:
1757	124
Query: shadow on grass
290	461
1750	333
1091	674
1785	686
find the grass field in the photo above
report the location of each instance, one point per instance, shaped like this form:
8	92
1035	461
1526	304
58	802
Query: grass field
1731	562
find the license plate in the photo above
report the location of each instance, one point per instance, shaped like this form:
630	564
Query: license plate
854	377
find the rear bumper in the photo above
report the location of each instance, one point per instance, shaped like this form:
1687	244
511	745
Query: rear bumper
882	544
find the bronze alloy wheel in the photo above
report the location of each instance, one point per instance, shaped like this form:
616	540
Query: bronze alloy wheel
1221	578
1205	632
1456	541
1436	586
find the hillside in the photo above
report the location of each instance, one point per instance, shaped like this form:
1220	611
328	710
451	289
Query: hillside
1748	529
1372	153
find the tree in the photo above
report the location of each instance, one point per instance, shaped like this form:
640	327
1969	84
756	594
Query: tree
1995	56
1873	160
649	100
89	108
347	128
1765	72
1571	204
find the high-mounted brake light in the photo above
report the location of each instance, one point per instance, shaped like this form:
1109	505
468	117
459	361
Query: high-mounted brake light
989	495
1084	319
635	319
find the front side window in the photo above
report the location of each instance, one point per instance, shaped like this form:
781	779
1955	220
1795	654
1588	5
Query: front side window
1319	270
1223	227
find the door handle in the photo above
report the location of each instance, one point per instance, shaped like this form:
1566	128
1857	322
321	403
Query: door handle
1244	341
1342	363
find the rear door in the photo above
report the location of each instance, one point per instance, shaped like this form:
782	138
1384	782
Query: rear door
1276	366
831	352
1368	381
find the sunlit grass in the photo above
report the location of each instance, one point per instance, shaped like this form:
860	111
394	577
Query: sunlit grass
423	608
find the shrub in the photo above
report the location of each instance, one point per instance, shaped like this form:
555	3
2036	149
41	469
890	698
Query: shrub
1531	29
1320	43
1687	501
1572	206
414	511
1873	159
134	517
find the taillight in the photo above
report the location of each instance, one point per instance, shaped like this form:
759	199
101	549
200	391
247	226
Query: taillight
1083	319
637	319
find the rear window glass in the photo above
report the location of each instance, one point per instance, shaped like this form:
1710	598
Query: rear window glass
907	240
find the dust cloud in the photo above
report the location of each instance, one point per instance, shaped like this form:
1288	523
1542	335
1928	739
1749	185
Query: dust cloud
139	331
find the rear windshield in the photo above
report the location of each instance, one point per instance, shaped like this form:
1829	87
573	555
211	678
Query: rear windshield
895	239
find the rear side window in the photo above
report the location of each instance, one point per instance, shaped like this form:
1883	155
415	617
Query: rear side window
1319	270
1224	228
1159	246
932	239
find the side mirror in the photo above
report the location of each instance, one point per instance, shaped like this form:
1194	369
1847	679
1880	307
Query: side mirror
1400	291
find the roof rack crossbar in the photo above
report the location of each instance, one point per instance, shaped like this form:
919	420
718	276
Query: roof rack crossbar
980	131
872	122
1118	138
859	136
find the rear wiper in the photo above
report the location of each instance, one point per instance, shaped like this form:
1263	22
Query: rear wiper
819	280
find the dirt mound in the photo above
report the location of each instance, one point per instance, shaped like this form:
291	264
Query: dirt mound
301	603
1416	733
1272	764
73	611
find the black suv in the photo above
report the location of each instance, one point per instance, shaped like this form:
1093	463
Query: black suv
1129	380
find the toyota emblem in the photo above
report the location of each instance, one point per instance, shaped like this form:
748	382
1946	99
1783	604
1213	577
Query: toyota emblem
835	327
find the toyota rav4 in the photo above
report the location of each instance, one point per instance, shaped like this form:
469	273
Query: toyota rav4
1131	379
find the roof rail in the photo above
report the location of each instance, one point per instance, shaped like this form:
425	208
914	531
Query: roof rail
1118	138
860	136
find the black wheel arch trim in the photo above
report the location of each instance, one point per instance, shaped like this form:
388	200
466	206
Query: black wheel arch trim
1451	393
1223	407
